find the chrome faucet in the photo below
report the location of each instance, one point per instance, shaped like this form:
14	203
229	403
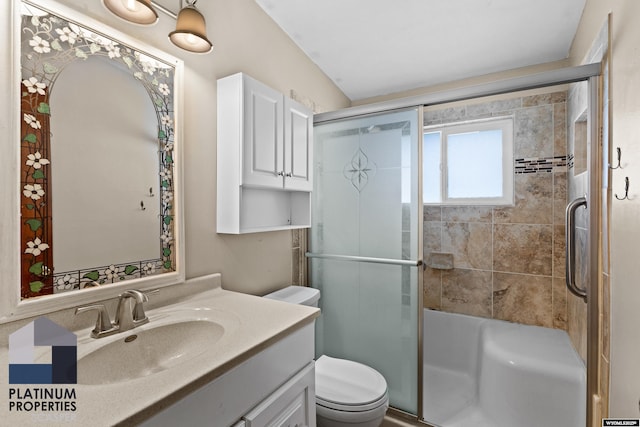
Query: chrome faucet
127	317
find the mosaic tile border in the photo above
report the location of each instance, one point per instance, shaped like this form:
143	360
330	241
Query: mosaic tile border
543	164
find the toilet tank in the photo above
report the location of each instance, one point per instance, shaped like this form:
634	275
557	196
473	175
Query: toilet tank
297	295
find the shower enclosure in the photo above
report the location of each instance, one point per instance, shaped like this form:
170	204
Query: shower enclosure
371	231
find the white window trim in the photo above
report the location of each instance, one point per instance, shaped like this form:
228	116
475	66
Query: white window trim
506	124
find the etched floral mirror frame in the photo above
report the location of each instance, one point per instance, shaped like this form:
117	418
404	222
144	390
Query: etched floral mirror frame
46	39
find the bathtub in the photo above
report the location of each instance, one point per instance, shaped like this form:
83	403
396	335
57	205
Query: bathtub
490	373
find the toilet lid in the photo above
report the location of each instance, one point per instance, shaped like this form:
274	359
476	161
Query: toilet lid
348	383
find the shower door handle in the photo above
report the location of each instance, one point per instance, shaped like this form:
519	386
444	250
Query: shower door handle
570	234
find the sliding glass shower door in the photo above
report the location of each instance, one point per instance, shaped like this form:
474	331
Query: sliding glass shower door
366	243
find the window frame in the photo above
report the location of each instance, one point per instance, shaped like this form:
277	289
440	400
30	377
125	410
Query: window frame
504	123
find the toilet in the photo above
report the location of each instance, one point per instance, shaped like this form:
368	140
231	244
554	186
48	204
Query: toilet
348	393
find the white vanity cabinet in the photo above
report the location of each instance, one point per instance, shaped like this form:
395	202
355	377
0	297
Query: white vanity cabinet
274	388
265	158
292	405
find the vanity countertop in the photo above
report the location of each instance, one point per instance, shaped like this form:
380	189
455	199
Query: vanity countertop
257	323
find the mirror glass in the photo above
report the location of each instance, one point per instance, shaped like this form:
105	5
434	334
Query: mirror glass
96	158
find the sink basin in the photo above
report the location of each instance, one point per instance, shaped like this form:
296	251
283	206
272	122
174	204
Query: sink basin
147	350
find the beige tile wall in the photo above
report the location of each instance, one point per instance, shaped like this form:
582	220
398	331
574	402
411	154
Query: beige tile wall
298	260
508	261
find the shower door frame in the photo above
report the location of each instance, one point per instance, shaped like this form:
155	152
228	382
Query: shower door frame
592	74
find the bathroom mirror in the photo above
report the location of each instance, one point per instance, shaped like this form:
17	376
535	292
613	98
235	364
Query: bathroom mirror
99	156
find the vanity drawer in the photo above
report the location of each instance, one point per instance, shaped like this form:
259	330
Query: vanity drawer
292	405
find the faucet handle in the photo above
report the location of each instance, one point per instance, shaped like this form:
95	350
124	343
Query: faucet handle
103	322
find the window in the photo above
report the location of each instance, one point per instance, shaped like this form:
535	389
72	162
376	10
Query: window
469	163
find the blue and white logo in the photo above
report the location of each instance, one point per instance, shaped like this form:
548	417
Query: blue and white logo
42	332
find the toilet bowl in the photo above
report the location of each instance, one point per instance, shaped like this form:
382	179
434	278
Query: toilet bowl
348	393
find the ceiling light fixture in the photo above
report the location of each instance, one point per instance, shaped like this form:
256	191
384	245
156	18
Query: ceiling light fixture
135	11
190	33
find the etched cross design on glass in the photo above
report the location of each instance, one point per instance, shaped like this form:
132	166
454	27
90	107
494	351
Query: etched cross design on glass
359	170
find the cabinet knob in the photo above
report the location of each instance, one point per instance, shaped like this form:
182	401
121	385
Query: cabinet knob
289	175
281	173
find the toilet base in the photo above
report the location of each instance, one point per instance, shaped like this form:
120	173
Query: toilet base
331	423
326	417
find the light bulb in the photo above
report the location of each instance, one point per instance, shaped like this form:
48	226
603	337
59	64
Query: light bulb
191	39
136	11
131	5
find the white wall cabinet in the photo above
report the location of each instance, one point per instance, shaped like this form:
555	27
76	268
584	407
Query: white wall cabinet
298	146
265	158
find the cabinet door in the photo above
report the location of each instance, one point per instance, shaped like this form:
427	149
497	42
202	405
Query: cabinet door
292	405
263	163
298	146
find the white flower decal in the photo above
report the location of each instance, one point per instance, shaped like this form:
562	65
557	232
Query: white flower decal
167	196
166	119
39	45
113	50
36	160
34	191
36	247
149	268
33	85
66	282
164	89
32	121
168	147
66	35
111	272
148	68
166	237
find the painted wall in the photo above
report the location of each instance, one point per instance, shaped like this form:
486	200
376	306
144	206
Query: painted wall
245	39
624	268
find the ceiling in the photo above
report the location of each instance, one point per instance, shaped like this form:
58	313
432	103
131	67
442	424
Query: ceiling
375	47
